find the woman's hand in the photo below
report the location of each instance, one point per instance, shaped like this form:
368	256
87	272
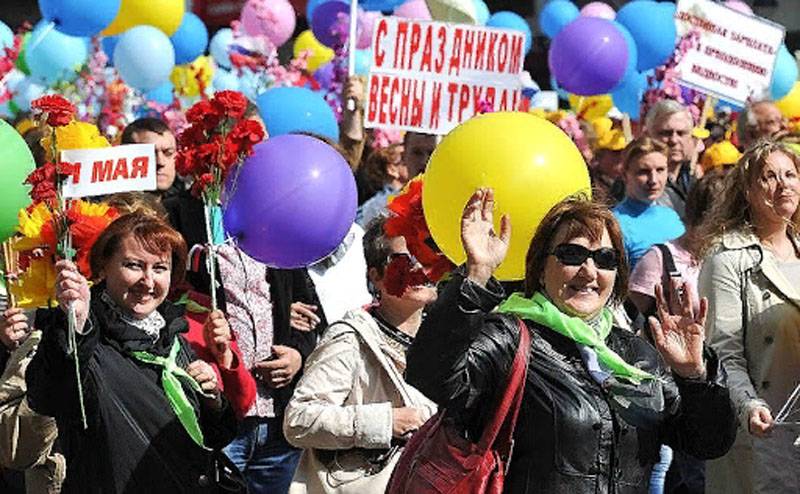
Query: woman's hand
217	336
678	332
405	420
484	248
279	371
205	376
72	289
14	328
761	421
303	317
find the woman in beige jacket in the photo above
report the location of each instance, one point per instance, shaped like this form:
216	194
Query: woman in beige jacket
752	280
352	409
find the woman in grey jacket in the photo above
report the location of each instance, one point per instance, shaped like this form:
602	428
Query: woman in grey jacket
751	278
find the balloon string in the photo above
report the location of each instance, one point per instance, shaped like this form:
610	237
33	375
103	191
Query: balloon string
42	34
211	254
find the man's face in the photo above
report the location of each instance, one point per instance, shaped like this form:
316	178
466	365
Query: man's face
768	118
166	150
676	132
418	149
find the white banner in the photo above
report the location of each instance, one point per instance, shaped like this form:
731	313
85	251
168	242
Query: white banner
101	171
431	76
733	55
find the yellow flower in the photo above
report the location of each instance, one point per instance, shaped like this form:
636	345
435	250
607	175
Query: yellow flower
36	286
608	137
184	77
30	226
76	135
86	208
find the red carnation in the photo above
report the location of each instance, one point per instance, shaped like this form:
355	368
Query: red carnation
43	192
245	135
45	173
204	114
59	111
232	104
192	136
201	183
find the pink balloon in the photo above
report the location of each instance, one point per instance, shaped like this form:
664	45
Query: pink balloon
599	9
366	27
414	9
274	19
739	6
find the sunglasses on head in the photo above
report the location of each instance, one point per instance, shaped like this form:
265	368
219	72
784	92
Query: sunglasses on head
574	255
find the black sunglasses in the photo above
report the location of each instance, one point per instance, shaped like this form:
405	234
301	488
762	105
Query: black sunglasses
575	255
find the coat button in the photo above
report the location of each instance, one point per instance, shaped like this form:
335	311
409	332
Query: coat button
768	340
765	385
766	296
203	481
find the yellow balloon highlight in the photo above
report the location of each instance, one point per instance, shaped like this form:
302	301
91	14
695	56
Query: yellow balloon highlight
530	163
319	53
166	15
789	105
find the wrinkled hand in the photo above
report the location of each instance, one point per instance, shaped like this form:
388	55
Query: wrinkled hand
405	420
72	289
761	422
205	376
280	371
484	248
303	317
678	332
217	336
14	328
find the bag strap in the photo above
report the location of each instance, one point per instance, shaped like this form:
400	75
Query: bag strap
668	261
501	428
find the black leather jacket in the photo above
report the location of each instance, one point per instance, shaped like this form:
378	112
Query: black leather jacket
572	435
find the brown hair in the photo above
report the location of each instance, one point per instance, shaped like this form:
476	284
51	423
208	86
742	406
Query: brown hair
153	234
640	147
575	216
131	202
731	211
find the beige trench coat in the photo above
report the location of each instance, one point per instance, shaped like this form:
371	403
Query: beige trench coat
758	342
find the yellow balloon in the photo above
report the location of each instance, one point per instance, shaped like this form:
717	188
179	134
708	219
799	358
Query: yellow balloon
789	105
320	54
530	163
591	107
166	15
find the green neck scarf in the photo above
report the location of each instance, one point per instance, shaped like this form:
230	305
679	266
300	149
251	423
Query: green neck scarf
170	381
541	311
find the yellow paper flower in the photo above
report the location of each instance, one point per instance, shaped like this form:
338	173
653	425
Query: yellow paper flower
35	287
76	135
720	154
184	77
607	136
30	226
590	107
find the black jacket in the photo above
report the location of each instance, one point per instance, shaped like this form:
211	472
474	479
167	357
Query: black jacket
134	441
572	436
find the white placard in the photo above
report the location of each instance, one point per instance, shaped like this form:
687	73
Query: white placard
95	172
734	54
431	76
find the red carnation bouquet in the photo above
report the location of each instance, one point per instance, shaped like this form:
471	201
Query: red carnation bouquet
218	138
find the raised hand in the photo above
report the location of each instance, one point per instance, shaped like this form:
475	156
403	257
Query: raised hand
678	332
72	289
217	336
484	248
14	328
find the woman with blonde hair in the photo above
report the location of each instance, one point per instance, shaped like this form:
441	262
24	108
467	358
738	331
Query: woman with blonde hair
750	276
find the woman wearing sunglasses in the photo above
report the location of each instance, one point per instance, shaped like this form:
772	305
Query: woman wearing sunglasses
598	401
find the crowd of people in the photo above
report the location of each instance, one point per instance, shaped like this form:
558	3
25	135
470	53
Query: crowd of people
663	314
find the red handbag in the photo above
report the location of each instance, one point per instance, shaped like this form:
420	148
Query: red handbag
439	460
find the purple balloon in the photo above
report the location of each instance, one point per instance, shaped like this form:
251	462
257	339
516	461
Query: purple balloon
589	56
325	75
325	17
291	203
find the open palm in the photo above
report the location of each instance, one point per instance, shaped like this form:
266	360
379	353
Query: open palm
485	249
678	332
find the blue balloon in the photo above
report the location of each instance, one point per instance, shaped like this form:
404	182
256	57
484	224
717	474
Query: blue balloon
288	110
53	56
225	80
556	15
6	36
163	94
632	52
562	94
190	40
653	28
82	18
510	20
363	61
784	75
109	43
144	57
380	5
482	12
627	97
219	46
27	91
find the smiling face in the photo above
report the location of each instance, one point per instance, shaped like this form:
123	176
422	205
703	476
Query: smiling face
646	177
775	194
583	290
138	281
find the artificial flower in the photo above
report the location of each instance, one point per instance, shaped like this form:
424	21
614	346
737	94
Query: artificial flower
231	104
57	109
75	135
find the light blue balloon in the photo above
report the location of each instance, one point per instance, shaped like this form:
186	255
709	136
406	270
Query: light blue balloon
653	28
190	40
562	94
288	110
163	94
27	91
556	15
632	52
83	18
219	46
627	97
225	80
784	75
13	79
6	36
144	57
510	20
482	12
363	61
52	56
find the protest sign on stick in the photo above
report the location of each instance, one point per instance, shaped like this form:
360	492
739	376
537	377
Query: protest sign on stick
731	55
94	172
431	76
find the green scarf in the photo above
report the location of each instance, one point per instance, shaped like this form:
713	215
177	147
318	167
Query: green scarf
541	311
172	388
